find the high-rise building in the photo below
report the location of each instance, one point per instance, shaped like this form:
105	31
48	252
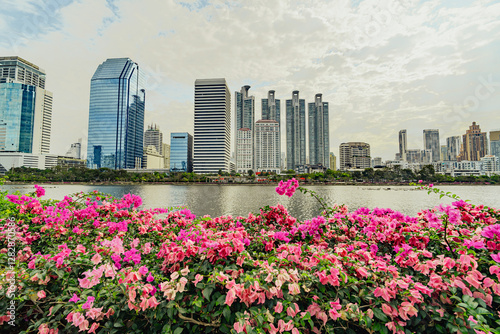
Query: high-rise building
244	150
181	152
474	144
295	131
75	151
245	118
154	137
25	107
495	143
271	108
116	115
444	153
267	152
453	145
431	142
402	144
212	122
333	161
354	155
319	139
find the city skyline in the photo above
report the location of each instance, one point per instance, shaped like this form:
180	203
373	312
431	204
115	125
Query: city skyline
382	67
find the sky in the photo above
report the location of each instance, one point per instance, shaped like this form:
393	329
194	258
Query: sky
382	65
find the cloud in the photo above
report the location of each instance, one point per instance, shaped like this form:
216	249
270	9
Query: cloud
383	66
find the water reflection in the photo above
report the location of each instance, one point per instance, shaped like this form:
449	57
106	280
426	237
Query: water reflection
239	200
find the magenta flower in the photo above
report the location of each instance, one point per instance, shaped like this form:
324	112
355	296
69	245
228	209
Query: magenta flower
496	257
150	278
143	270
75	298
39	191
287	188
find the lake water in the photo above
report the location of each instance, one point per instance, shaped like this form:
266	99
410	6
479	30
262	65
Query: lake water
216	200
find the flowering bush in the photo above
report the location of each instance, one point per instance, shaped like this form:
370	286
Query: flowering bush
91	263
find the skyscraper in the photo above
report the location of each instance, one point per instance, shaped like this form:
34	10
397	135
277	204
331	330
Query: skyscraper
453	145
295	131
474	144
267	152
212	122
181	152
271	108
495	143
116	115
245	134
402	144
431	142
25	107
319	139
75	151
154	137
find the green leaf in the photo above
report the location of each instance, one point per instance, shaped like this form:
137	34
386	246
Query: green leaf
380	315
226	312
207	292
178	330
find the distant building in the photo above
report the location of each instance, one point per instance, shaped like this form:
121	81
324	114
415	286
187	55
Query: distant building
181	152
354	155
495	143
271	110
444	153
70	162
153	136
165	152
453	145
267	153
295	131
25	107
75	151
491	164
333	161
212	122
116	115
431	142
9	160
245	150
377	162
152	159
402	144
319	138
474	144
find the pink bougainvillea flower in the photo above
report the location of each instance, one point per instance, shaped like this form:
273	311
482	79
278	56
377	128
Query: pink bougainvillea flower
143	270
150	278
287	188
41	294
495	257
39	191
75	298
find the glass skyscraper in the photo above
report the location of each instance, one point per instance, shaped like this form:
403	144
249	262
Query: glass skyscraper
431	142
245	132
295	131
181	152
116	115
319	138
25	107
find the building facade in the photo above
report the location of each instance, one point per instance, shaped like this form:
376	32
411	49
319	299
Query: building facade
295	131
75	151
25	107
319	138
333	161
267	141
474	144
154	137
453	145
495	143
212	126
354	155
245	118
116	115
431	142
403	140
181	152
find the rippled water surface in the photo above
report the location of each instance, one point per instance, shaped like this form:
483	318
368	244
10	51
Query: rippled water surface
216	200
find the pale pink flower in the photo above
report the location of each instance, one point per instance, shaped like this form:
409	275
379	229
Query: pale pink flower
278	308
41	294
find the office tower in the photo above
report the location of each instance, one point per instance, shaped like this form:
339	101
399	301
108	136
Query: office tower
75	151
402	144
377	162
444	153
181	152
453	145
333	161
154	137
495	143
271	108
319	139
116	115
354	155
25	107
245	118
295	131
431	142
212	121
474	144
413	156
267	152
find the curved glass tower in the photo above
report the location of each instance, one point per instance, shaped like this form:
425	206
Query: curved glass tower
116	115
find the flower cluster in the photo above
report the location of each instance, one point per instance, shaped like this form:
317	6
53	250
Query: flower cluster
287	188
92	263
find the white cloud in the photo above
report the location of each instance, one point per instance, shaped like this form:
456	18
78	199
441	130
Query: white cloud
383	66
